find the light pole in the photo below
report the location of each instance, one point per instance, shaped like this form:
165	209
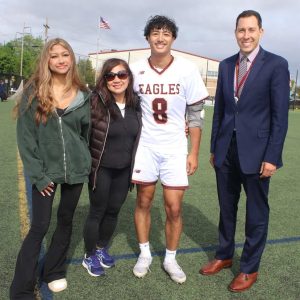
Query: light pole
22	48
46	30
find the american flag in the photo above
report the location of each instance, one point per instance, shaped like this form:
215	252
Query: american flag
104	24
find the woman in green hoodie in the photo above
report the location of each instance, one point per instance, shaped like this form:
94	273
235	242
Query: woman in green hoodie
53	120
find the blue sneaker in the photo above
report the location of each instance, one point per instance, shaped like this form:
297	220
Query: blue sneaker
105	259
92	264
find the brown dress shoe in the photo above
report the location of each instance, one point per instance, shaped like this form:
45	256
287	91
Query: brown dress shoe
243	282
215	266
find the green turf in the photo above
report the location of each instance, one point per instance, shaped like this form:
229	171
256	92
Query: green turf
279	272
9	220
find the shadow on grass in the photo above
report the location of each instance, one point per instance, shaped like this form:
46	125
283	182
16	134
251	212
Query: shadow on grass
197	227
204	233
126	225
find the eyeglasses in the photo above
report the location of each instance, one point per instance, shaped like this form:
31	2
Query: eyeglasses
111	76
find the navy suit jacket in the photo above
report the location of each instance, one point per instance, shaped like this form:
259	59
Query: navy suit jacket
260	116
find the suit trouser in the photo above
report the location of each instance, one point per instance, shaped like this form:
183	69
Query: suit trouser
26	271
230	179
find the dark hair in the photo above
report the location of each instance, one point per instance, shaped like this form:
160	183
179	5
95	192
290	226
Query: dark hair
101	84
161	22
249	13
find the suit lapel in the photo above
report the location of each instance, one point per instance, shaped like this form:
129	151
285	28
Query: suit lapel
255	69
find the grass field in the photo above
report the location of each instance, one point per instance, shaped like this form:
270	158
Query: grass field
279	273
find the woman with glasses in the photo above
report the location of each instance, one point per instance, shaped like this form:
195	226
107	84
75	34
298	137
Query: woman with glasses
116	125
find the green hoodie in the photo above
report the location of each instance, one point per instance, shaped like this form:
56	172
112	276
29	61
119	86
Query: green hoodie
58	150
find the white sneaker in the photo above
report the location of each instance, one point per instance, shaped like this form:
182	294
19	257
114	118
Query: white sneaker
174	270
141	268
58	285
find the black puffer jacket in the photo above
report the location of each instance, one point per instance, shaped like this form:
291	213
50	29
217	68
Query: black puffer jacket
100	119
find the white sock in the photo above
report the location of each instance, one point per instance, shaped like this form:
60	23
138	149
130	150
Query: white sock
170	255
145	249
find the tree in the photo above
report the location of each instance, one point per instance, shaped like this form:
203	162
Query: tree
10	55
294	89
8	59
86	71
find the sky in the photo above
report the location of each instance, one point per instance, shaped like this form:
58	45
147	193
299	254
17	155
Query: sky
206	28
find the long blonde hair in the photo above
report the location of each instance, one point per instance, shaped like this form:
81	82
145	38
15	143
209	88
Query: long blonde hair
39	85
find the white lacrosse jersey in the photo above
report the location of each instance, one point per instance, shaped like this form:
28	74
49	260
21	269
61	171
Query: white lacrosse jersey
164	97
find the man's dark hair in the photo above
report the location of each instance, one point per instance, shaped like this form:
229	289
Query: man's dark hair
249	13
160	22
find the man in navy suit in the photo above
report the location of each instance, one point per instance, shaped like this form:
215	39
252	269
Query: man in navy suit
250	122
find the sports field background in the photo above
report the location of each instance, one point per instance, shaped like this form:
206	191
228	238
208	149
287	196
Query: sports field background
279	276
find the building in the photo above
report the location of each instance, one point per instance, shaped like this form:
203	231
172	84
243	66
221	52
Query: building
208	67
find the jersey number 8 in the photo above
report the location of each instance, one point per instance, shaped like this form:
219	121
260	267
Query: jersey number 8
159	107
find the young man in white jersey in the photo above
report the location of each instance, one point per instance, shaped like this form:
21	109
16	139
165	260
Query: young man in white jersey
169	87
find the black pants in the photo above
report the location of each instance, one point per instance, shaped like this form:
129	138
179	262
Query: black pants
27	262
105	203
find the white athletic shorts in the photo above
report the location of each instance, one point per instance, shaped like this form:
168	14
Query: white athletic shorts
150	164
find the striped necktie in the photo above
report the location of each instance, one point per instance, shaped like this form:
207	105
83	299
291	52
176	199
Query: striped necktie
242	73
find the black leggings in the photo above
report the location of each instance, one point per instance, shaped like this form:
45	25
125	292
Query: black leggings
27	262
105	203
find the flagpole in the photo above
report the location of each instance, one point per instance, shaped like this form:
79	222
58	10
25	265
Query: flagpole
97	60
128	57
102	24
97	51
